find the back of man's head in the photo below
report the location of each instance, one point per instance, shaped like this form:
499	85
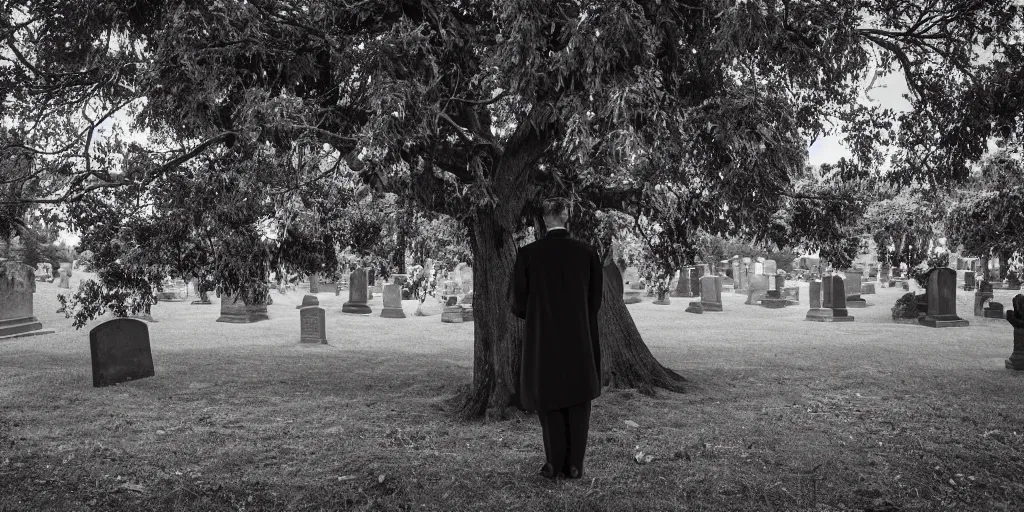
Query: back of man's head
556	211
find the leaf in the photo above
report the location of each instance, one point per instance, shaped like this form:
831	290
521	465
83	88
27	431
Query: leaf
139	488
380	479
631	423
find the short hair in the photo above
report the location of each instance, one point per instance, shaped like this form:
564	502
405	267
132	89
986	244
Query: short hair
555	207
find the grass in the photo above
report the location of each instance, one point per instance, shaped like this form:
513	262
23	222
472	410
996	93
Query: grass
781	414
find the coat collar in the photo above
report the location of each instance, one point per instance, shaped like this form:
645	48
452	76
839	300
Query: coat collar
557	233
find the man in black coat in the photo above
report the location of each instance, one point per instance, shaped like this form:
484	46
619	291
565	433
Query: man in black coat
557	289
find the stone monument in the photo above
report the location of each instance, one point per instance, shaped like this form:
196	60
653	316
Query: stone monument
452	312
313	325
392	302
710	294
308	301
771	267
120	352
65	276
942	300
833	296
238	312
970	280
1016	318
852	283
358	293
817	313
17	285
757	287
982	296
682	288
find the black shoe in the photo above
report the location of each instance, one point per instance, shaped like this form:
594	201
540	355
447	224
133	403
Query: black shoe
548	471
573	473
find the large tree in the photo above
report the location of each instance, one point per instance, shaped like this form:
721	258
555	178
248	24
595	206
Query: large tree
693	115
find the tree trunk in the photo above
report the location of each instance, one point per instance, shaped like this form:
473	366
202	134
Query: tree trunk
1004	263
984	269
626	362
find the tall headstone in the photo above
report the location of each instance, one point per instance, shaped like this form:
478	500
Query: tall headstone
392	302
711	293
313	325
120	352
852	284
358	293
17	285
942	300
65	275
683	285
1016	318
238	312
817	313
983	295
771	267
969	280
833	296
695	277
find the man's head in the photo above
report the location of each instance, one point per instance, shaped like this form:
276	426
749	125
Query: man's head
556	212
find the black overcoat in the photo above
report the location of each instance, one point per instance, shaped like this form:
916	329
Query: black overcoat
557	288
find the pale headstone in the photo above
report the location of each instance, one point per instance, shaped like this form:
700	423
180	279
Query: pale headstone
683	286
771	267
120	352
17	284
711	293
313	325
238	312
942	300
358	293
392	302
65	276
757	289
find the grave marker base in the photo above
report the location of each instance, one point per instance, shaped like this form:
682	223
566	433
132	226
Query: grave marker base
392	313
857	303
1015	362
662	302
774	303
356	308
943	321
19	326
201	303
711	306
695	307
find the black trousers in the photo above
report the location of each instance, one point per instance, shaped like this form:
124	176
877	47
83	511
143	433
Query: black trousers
565	435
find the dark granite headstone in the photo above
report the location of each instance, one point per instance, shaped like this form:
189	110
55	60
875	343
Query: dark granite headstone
817	313
852	284
357	294
1016	318
994	310
942	300
313	325
833	292
392	302
120	352
17	285
308	301
237	312
970	280
711	293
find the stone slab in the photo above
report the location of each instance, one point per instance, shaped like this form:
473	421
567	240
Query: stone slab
695	307
313	325
711	306
774	303
120	352
940	322
819	315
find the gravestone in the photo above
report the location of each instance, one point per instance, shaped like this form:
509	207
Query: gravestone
942	300
452	312
392	302
757	288
746	273
867	288
17	285
695	277
736	273
833	296
358	293
970	280
42	272
773	298
852	283
313	325
771	267
817	313
994	310
65	276
308	301
429	307
792	293
683	287
238	312
120	352
314	283
466	278
711	293
1016	318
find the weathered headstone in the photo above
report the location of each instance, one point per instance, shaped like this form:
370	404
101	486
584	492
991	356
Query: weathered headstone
308	301
711	293
695	276
771	267
452	312
833	296
817	313
792	293
120	352
1016	318
757	289
942	300
17	284
238	312
465	277
852	283
313	325
867	288
65	275
683	286
970	280
994	310
392	302
358	293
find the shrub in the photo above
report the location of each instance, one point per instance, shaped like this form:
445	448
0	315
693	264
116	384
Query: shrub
905	307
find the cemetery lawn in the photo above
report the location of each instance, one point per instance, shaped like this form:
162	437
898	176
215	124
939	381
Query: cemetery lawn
781	414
